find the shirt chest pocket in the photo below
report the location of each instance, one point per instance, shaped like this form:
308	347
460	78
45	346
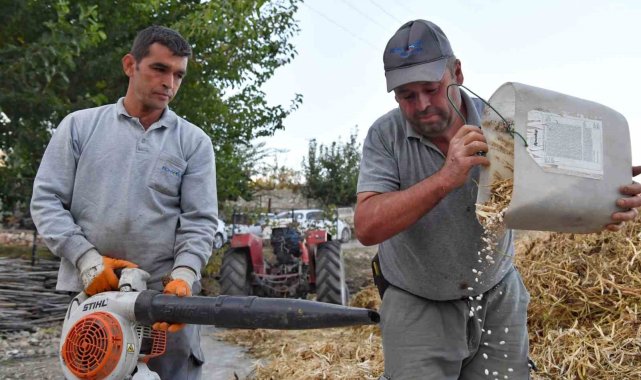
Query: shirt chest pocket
167	174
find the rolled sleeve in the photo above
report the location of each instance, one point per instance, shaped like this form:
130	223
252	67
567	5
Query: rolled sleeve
379	169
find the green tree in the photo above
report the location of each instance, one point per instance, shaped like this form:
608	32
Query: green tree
331	172
60	56
272	175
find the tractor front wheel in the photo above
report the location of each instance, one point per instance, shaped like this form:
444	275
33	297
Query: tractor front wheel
218	241
234	273
330	274
346	235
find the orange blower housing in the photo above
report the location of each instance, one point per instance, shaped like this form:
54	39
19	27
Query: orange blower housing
100	342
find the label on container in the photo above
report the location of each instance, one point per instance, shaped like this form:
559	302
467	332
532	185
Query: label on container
566	144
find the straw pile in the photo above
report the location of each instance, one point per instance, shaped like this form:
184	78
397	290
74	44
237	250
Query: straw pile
352	353
586	295
584	317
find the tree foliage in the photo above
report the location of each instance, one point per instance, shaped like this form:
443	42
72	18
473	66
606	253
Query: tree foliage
271	175
60	56
331	172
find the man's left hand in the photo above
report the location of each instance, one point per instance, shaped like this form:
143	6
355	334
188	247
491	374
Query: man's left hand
180	285
631	202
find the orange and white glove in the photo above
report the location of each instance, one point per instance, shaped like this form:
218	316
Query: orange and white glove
97	272
181	280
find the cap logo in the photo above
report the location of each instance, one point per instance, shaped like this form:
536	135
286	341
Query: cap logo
412	49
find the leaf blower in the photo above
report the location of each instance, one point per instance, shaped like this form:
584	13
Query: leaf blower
108	335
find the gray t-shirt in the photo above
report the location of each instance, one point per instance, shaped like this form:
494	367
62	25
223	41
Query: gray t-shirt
439	257
144	196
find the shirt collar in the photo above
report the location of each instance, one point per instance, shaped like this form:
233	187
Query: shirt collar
167	119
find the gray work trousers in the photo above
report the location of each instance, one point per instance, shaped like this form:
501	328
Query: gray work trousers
482	338
183	358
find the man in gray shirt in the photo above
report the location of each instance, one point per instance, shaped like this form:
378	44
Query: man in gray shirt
455	309
133	184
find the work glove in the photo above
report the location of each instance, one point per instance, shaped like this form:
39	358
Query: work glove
180	282
97	272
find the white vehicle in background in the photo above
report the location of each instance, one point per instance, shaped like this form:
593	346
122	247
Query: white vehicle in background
346	214
220	236
316	218
250	224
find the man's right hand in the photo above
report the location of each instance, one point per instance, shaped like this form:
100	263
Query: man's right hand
98	272
462	154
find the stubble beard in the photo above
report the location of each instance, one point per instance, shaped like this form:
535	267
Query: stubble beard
151	103
432	129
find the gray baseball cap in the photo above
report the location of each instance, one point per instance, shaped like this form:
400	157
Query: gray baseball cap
418	52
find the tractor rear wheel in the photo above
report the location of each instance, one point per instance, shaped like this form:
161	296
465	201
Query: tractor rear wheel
330	274
234	273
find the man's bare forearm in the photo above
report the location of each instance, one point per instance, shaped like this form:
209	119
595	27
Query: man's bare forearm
379	216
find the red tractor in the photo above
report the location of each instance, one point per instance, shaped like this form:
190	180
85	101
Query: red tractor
300	264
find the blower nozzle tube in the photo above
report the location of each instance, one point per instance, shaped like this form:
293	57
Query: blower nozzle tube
249	312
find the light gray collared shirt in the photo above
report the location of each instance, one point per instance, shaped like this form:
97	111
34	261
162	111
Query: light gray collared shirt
436	257
144	196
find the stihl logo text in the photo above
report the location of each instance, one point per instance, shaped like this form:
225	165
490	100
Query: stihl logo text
94	305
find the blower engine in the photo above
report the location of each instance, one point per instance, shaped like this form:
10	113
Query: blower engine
108	336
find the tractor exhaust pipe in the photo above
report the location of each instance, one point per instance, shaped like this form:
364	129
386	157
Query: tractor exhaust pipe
248	312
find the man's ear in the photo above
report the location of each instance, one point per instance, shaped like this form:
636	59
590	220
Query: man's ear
458	72
128	64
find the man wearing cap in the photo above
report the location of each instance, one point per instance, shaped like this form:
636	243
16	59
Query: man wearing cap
448	313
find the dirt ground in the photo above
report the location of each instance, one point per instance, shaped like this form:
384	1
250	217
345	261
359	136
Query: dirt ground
357	265
32	355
